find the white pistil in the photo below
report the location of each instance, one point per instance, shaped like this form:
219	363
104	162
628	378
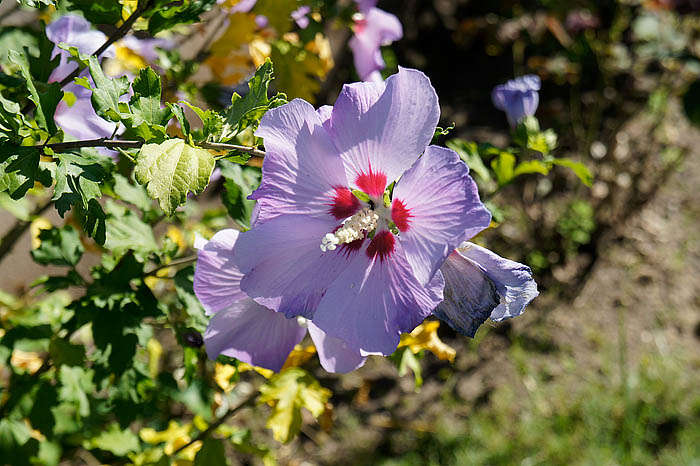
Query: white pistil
352	229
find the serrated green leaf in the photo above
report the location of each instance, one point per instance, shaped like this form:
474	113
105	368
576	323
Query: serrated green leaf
181	119
59	246
11	120
19	169
172	169
579	169
98	12
212	122
170	14
212	453
45	102
114	440
37	3
127	232
247	110
146	106
42	66
106	92
78	181
239	183
504	166
289	391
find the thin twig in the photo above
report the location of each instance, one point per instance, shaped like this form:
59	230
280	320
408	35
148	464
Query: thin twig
176	262
116	143
202	435
13	234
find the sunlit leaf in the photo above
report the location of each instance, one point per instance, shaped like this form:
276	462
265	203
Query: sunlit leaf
425	337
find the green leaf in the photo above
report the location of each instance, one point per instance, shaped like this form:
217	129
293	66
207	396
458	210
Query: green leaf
289	391
37	3
76	383
127	232
78	181
239	183
212	453
98	12
247	110
170	14
181	119
19	169
11	120
579	169
469	153
42	66
531	166
409	361
504	166
171	170
106	93
59	246
114	440
64	352
184	287
132	193
212	122
45	102
145	104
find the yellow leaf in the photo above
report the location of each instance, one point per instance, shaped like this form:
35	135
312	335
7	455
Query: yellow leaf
299	356
223	374
155	351
38	224
425	337
288	392
175	436
28	360
245	367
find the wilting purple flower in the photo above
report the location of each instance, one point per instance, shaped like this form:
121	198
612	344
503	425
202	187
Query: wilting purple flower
299	16
518	97
376	272
245	330
479	285
373	28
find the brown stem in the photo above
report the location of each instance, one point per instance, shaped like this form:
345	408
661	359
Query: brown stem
205	433
13	234
176	262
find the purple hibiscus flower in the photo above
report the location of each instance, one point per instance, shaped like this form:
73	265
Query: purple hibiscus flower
373	28
518	97
245	330
78	119
325	179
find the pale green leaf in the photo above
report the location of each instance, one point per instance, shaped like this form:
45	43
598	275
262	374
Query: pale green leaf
579	169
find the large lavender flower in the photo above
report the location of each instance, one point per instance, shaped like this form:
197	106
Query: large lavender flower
78	119
373	28
518	97
245	330
376	272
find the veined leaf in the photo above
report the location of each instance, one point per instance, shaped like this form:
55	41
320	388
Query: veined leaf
167	14
20	169
106	93
171	170
59	246
145	105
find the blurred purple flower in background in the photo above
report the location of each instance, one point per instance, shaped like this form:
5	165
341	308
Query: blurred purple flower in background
373	28
518	97
580	20
245	330
299	16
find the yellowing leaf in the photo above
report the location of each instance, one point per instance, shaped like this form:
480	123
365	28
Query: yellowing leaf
425	337
240	31
245	367
28	360
299	356
288	392
171	170
155	351
278	13
175	436
38	224
223	374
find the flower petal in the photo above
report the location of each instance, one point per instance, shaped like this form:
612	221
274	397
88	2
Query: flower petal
384	127
301	170
377	28
513	281
80	120
252	333
216	278
373	301
436	206
284	266
334	353
470	295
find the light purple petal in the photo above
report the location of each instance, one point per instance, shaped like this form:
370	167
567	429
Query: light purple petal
436	206
299	16
80	120
252	333
147	47
364	5
375	29
261	21
470	295
384	127
284	266
335	355
301	168
513	281
518	97
374	301
76	31
244	6
216	278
